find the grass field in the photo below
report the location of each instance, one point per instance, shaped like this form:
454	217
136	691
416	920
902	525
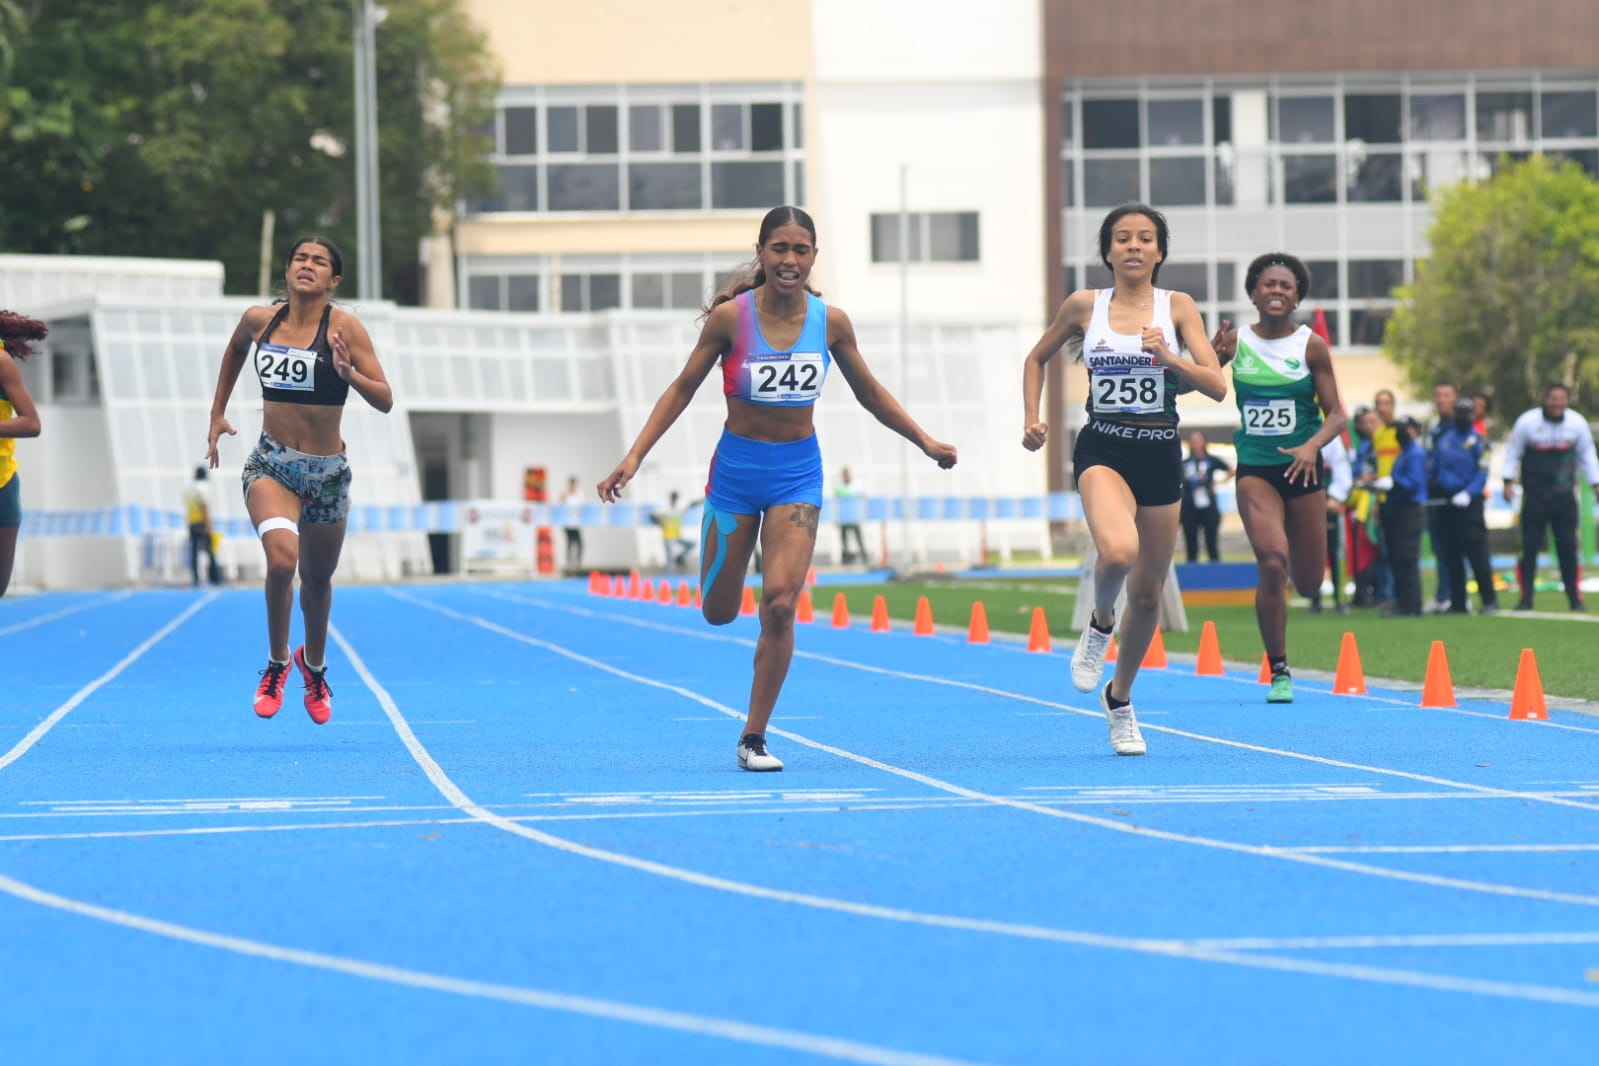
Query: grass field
1484	651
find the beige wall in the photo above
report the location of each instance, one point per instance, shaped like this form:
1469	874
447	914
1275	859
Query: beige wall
639	42
576	237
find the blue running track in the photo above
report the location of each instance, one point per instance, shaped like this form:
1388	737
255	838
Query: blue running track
523	839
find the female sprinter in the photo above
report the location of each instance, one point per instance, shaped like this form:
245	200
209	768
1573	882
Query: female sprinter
775	339
1128	460
1283	378
18	418
308	354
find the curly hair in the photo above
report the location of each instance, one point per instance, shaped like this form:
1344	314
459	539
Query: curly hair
17	330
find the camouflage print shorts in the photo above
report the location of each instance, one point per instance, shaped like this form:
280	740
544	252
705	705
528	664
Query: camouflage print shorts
321	481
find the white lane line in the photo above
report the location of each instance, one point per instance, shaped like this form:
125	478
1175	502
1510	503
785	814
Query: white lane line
1448	849
1282	854
1398	940
1064	708
1170	948
38	731
610	1010
63	613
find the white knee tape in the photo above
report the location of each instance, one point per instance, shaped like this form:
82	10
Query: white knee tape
276	523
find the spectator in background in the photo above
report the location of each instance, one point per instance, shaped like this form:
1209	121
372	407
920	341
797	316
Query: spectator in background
1457	469
1335	454
670	519
1444	395
849	489
1365	546
1402	522
197	502
1546	445
1482	408
1385	449
1199	509
573	498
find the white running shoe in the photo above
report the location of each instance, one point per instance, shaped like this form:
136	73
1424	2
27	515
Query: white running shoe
1125	739
752	754
1088	658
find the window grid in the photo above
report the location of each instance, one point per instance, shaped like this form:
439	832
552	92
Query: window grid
1327	191
735	176
683	281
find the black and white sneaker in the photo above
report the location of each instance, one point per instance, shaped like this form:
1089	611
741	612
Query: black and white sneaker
752	754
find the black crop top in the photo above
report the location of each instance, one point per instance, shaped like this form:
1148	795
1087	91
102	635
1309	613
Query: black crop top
298	375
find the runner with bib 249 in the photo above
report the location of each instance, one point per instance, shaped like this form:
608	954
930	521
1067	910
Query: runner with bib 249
1283	378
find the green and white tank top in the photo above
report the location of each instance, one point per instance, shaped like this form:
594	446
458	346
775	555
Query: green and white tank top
1276	396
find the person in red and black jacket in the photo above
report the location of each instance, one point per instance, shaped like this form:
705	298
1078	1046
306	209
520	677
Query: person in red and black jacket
1546	445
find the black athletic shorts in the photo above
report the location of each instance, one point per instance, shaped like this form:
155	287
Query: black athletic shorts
1275	476
1148	458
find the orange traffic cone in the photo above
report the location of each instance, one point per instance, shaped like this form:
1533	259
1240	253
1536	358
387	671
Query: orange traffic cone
696	596
806	611
810	576
747	606
685	598
646	592
1438	690
1209	652
1110	650
618	587
1155	654
1265	669
879	614
1350	678
1527	700
663	594
977	631
1038	634
840	611
924	618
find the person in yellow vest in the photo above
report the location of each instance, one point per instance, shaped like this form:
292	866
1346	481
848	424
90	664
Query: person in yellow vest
670	519
197	503
18	418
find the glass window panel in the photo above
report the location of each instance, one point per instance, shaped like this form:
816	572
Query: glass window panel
605	291
1173	122
952	236
522	292
1225	193
1569	114
521	131
1324	278
799	183
687	290
519	188
1366	326
601	122
1491	163
1108	182
483	292
1110	124
685	127
571	292
1377	178
1587	160
1440	168
746	184
1504	117
1305	119
766	127
1437	117
649	290
1068	184
664	186
727	127
584	187
1191	278
1375	279
561	129
885	238
1221	120
644	129
1373	118
1068	132
799	125
1310	179
157	376
1177	181
1227	285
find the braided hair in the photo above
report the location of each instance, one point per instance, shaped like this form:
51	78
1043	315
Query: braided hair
17	330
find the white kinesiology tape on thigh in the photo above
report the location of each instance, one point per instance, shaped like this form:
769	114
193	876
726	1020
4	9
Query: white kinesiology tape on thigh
276	523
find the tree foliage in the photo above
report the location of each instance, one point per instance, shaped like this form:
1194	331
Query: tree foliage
1508	299
168	127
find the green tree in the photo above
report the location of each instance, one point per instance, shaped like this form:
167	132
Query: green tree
1508	299
168	127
